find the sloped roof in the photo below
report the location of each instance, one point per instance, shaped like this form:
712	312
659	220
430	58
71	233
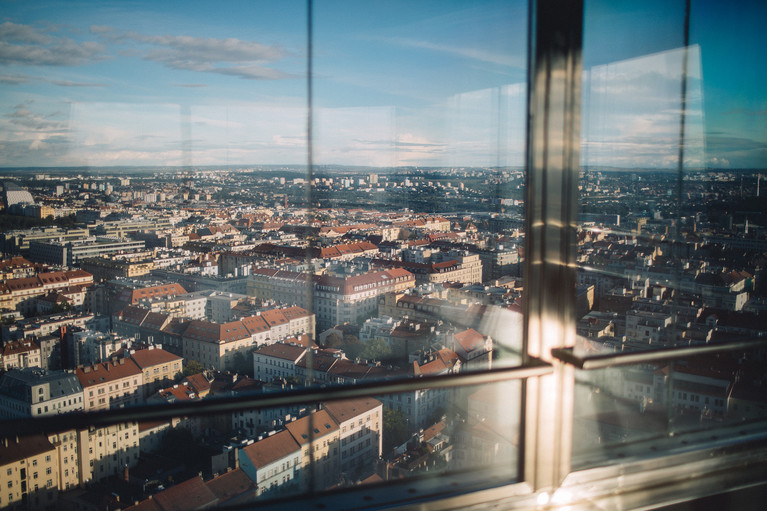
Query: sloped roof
198	382
25	447
444	361
133	315
274	317
255	324
295	312
271	449
232	485
153	357
282	351
349	409
178	393
191	494
215	332
347	369
106	371
470	340
312	427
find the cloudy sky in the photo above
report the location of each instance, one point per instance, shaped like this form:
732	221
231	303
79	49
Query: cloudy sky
427	82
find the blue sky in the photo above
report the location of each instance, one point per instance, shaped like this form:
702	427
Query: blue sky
432	83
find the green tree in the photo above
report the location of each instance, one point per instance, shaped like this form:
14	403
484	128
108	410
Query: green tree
352	346
395	430
334	340
192	367
376	349
242	363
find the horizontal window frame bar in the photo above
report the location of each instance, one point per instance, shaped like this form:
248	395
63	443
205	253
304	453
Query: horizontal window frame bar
729	463
593	362
301	396
432	492
710	466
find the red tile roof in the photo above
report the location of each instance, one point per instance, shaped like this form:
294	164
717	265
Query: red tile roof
348	409
312	427
470	340
283	351
198	382
148	358
233	485
271	449
191	494
104	372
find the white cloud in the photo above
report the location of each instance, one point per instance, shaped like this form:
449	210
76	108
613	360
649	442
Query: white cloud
68	83
230	56
15	79
26	45
631	112
480	54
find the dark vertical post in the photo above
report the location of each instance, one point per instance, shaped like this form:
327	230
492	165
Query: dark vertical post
553	143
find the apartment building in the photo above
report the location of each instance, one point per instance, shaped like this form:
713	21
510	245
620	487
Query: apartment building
21	294
474	349
112	384
318	437
273	464
277	360
422	407
34	392
86	346
106	451
19	354
108	268
360	422
338	300
214	345
159	367
70	253
28	473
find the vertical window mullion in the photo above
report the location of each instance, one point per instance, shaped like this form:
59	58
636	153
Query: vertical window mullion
553	143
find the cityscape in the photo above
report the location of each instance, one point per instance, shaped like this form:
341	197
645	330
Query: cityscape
256	252
162	286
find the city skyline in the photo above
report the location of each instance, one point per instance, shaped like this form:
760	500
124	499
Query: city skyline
433	84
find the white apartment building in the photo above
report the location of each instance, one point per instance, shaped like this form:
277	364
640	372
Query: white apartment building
34	392
272	463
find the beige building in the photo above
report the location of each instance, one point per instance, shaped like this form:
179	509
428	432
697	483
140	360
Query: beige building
108	450
19	355
360	421
158	366
217	345
94	454
28	473
318	436
112	384
108	268
20	294
69	458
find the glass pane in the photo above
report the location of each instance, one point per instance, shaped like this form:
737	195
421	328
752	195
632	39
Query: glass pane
646	409
671	241
419	137
165	241
253	455
669	251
